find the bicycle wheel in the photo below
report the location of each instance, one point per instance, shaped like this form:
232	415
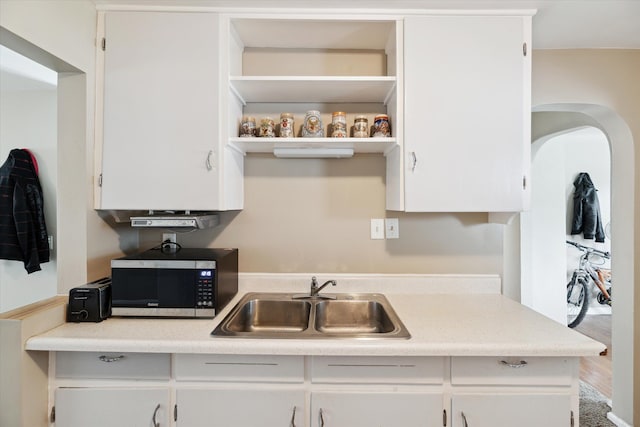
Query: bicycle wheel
577	301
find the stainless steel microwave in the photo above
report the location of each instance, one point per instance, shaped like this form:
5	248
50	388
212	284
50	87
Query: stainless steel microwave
186	283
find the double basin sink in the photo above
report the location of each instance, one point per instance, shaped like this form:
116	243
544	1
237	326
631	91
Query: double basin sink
283	315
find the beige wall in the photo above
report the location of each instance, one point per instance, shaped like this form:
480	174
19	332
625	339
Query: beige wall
608	78
313	216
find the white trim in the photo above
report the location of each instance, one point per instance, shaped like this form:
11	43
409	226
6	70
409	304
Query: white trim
283	11
616	420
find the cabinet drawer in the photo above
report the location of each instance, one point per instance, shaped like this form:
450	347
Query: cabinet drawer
385	370
72	364
512	370
205	367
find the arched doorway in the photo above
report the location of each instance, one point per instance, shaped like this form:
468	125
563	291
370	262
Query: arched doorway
549	121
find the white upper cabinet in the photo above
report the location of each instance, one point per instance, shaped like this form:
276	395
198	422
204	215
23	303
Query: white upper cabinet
296	63
161	132
467	115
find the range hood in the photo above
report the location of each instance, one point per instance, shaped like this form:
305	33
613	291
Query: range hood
174	220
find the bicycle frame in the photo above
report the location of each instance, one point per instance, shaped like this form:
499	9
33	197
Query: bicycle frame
586	269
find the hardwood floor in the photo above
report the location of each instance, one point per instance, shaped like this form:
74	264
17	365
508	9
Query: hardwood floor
596	370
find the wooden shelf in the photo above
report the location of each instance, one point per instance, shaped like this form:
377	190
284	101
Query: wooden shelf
313	88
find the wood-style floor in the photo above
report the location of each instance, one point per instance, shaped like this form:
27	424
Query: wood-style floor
596	370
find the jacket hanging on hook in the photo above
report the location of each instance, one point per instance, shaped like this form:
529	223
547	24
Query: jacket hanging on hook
586	209
23	232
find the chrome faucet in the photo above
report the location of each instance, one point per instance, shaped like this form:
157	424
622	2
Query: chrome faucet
315	289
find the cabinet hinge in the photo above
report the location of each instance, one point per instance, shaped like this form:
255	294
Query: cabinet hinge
524	49
52	417
100	180
572	420
444	417
175	412
103	44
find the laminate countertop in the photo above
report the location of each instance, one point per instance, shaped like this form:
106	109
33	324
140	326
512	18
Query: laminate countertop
480	323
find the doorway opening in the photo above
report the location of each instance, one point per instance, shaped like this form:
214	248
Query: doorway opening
549	121
28	118
556	163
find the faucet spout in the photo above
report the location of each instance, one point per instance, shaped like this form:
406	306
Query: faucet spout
315	289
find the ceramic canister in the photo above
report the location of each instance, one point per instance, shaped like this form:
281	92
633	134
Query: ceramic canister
339	124
381	127
248	127
286	125
267	128
361	127
312	126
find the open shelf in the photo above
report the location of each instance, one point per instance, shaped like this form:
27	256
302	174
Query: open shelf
359	145
313	88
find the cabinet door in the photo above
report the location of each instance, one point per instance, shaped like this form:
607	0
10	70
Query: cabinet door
240	407
160	120
109	407
524	410
467	113
364	409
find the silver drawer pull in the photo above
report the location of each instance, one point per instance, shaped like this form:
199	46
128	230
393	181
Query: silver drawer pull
109	359
520	364
464	420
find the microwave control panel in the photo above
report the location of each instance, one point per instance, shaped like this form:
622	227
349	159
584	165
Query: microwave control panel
204	289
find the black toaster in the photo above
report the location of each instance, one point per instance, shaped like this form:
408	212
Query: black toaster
90	302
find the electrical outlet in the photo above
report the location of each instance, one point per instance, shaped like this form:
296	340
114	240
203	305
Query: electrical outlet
377	229
391	228
171	237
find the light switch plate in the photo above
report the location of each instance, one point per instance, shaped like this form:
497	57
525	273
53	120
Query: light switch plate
377	229
392	228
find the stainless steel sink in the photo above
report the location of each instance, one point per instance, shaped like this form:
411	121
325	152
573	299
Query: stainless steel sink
282	315
353	317
265	315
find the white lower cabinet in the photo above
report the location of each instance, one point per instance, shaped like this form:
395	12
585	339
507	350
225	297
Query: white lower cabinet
112	406
377	391
522	410
203	390
240	407
239	390
514	391
368	409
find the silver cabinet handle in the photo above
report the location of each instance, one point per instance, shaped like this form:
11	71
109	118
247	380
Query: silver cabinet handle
153	420
208	161
520	364
414	160
464	420
293	418
321	418
109	359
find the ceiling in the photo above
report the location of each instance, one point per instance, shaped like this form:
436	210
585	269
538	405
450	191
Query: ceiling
558	24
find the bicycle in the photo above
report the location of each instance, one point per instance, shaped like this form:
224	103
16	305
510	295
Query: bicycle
578	288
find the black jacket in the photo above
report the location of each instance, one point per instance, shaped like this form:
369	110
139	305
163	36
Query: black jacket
586	209
23	232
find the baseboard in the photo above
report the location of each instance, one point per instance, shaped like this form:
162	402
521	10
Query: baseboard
617	421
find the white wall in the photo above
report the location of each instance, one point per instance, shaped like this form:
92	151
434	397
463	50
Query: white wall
28	119
588	151
556	163
62	34
545	293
